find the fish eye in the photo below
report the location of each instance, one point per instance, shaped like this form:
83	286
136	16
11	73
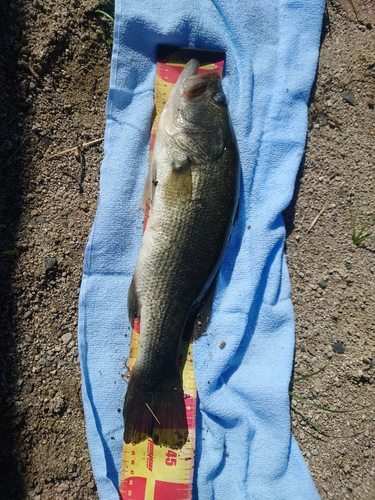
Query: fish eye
219	98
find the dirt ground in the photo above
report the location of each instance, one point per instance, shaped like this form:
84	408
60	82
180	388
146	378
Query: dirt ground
54	74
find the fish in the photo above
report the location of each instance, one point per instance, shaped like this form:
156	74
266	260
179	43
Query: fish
191	191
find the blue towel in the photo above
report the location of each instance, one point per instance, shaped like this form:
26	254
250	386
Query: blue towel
245	449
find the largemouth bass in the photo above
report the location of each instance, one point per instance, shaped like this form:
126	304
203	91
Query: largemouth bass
192	192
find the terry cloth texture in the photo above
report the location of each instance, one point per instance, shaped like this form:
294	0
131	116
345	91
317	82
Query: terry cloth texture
271	56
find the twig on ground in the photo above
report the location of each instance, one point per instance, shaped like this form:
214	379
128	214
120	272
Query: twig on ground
70	150
33	72
317	217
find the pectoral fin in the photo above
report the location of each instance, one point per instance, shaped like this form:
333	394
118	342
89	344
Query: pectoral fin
179	180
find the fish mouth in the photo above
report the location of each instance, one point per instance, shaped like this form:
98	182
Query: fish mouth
197	85
192	84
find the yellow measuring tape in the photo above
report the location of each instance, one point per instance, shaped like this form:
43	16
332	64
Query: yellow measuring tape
151	472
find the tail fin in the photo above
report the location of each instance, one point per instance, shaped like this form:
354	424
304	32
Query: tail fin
155	411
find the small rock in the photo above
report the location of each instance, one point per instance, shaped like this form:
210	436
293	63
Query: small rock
323	284
27	314
349	97
50	263
34	213
39	219
338	348
222	345
62	487
348	266
57	404
46	142
66	338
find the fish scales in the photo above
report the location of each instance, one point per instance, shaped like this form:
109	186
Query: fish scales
192	190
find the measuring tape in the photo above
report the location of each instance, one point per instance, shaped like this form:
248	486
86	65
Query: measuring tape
149	471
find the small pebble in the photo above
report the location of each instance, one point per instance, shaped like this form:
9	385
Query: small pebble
50	263
66	338
349	97
46	142
338	348
27	314
323	284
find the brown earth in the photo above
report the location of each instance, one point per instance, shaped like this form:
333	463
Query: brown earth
54	73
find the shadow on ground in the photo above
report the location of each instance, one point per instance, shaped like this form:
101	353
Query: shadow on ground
13	110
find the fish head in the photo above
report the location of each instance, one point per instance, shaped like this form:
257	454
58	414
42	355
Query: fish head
196	117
